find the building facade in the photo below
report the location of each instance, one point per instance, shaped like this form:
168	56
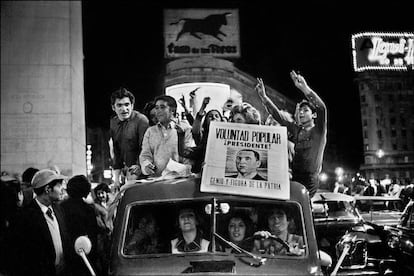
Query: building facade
383	63
387	117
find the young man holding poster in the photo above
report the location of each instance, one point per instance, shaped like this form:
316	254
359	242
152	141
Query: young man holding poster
308	129
247	162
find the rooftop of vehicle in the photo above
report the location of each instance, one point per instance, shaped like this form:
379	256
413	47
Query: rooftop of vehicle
377	198
320	197
186	187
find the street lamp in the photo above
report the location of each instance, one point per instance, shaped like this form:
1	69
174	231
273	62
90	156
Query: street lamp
339	171
380	153
323	177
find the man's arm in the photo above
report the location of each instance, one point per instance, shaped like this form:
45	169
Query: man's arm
146	158
312	97
196	128
276	113
188	115
143	125
114	152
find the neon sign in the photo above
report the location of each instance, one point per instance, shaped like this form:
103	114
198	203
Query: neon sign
383	51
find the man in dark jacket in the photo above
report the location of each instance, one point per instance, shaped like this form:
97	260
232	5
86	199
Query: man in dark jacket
81	221
39	237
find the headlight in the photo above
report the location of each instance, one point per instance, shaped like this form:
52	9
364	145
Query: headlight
409	245
393	242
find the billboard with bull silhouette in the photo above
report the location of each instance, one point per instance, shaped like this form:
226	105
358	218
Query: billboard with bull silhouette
201	32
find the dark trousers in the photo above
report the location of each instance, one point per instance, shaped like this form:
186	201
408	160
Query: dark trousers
309	180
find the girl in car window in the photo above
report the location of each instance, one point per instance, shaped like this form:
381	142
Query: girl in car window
239	227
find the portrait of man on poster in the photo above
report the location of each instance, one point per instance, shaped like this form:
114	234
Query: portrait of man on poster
247	163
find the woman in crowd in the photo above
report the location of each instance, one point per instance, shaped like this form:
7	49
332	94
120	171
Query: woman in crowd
199	131
190	238
239	227
245	113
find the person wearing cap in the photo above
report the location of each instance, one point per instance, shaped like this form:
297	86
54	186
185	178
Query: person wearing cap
40	239
81	221
309	130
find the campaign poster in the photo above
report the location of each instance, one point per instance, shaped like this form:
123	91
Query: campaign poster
249	160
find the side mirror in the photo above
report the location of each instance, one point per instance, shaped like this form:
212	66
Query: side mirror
325	259
82	247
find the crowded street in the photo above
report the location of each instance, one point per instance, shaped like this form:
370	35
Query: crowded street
221	138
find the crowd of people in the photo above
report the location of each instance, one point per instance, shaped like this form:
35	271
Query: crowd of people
400	188
143	143
43	212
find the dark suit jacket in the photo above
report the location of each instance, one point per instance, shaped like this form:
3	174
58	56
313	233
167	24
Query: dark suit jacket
31	247
81	220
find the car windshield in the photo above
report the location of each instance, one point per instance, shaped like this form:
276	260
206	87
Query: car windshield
365	206
334	210
407	218
236	227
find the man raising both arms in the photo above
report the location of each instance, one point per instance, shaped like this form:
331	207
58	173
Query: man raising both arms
308	129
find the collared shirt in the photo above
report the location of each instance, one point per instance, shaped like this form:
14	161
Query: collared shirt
160	143
54	232
127	138
199	244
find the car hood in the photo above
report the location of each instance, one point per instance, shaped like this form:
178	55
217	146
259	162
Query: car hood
179	264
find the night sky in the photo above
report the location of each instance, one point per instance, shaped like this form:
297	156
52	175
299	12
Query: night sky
123	46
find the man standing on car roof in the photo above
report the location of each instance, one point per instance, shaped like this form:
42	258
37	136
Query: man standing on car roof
308	129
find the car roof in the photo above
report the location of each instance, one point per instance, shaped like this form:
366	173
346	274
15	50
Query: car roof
185	188
331	196
378	198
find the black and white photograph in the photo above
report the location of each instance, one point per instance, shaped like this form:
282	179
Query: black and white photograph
206	137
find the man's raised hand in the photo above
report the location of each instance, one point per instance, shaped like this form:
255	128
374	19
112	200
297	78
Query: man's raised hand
299	81
260	88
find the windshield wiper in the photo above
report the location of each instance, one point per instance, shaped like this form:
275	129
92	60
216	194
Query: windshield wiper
241	250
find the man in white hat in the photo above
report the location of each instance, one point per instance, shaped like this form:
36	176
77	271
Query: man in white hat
39	235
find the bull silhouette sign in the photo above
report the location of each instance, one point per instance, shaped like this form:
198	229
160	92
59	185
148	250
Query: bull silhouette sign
201	32
210	25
